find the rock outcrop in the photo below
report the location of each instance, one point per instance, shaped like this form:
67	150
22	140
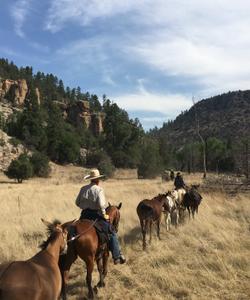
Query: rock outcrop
79	113
15	90
8	150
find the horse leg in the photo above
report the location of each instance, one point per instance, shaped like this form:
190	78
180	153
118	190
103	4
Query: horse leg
102	264
193	211
150	231
188	208
158	229
105	265
65	263
177	218
143	230
90	267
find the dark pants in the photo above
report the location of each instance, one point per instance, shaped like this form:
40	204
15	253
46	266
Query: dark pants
114	246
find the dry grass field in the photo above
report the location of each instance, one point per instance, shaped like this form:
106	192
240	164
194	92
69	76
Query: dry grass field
208	258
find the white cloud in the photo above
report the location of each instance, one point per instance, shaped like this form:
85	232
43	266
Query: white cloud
205	41
107	78
19	12
145	104
201	45
85	11
143	100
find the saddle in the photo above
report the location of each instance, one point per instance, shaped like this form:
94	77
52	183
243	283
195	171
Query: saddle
102	227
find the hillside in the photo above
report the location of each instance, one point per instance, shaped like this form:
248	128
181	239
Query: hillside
66	124
224	124
225	116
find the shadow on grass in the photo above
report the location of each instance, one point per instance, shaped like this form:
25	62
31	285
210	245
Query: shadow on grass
134	235
8	182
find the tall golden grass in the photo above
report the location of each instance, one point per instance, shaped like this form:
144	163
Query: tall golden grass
205	258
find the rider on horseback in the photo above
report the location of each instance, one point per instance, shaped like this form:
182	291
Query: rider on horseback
179	182
91	200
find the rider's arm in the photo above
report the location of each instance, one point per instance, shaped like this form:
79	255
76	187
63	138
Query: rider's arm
78	199
102	201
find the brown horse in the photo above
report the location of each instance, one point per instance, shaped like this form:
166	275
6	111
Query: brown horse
192	200
149	212
37	278
87	247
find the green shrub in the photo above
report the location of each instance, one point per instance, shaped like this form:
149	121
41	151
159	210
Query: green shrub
151	164
20	168
40	163
102	161
106	167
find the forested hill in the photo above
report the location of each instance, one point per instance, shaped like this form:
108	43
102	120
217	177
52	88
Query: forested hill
65	124
224	124
225	116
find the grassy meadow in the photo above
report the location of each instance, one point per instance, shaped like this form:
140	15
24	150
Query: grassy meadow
205	258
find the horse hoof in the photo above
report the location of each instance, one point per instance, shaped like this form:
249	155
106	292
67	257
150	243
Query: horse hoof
91	296
101	284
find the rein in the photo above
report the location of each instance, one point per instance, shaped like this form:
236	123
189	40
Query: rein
80	234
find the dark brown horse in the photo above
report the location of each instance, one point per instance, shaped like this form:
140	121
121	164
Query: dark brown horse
87	247
37	278
149	212
192	200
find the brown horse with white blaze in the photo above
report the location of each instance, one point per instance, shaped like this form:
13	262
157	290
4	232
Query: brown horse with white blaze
149	212
86	246
37	278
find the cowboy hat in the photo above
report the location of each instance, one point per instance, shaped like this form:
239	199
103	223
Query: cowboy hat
94	174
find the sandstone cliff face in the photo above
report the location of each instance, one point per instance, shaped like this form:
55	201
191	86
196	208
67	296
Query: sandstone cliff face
79	113
14	92
17	89
8	152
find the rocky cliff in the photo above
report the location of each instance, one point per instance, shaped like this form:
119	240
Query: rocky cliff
14	90
13	94
8	150
80	115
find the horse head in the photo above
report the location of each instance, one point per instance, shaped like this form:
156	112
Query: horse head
56	232
195	186
161	197
114	215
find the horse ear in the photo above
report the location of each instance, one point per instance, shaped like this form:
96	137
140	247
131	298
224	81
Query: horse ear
46	223
109	204
119	206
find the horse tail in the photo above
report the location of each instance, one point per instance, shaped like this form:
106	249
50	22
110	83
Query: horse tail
144	211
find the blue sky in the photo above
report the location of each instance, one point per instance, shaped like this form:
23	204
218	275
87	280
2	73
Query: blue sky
149	56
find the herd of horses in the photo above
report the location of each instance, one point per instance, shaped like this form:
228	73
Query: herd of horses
172	204
45	275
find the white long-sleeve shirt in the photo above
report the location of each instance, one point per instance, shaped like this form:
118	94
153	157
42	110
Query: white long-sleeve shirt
91	196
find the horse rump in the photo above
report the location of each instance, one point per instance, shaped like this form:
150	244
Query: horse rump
144	211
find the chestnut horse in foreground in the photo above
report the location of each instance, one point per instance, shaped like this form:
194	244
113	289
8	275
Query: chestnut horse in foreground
37	278
86	246
149	212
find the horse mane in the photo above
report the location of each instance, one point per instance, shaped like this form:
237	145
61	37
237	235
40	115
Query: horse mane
52	234
159	197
